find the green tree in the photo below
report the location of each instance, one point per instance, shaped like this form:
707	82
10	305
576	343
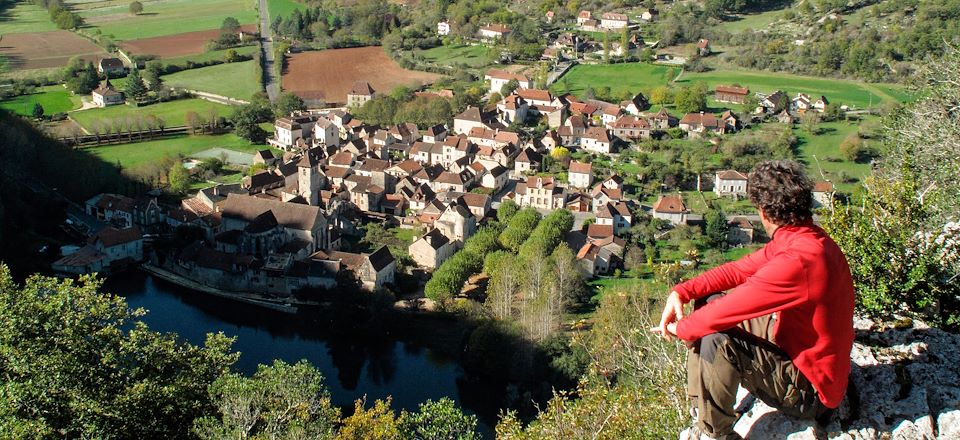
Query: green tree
690	99
606	47
37	111
287	103
136	8
661	95
377	423
135	88
151	76
77	363
509	87
624	41
278	401
508	208
851	147
716	228
438	420
179	178
229	32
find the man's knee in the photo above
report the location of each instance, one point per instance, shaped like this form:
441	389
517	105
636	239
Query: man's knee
712	345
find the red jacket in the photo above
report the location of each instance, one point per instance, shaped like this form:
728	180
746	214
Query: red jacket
803	276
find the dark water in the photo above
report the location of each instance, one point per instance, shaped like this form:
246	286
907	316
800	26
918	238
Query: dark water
375	367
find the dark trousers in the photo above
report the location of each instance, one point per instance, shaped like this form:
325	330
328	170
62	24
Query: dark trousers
745	355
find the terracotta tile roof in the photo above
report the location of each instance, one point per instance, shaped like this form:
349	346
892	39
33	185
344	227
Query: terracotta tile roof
291	215
111	236
599	231
822	187
361	88
670	205
535	94
733	90
580	167
503	74
731	175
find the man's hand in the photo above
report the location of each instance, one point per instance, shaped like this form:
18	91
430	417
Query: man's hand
672	312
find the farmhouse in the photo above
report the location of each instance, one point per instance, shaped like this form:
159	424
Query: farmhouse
583	17
361	92
597	140
630	127
111	67
106	95
431	250
671	209
774	102
731	94
730	183
494	32
739	232
443	28
701	124
822	194
288	130
612	20
703	47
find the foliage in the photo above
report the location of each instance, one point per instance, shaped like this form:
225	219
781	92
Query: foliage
851	147
179	178
81	78
438	420
37	112
278	401
448	279
519	228
691	99
134	87
716	228
287	103
75	363
377	423
634	387
136	7
508	208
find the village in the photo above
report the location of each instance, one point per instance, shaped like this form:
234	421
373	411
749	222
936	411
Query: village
283	229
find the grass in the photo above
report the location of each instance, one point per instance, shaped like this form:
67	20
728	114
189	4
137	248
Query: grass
632	77
839	91
140	153
22	17
234	80
826	148
171	112
752	21
473	56
283	8
210	55
166	17
54	99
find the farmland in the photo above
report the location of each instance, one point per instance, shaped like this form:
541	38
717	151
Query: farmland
234	80
333	72
172	112
162	17
821	152
644	77
38	50
54	99
136	154
22	17
620	77
283	8
178	45
210	55
469	55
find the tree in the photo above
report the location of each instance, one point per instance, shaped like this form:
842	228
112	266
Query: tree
716	228
37	111
229	32
136	7
851	147
438	420
376	423
78	363
750	104
278	401
192	119
508	208
606	47
151	76
251	132
232	56
661	95
560	153
509	87
178	177
690	99
287	103
624	41
135	87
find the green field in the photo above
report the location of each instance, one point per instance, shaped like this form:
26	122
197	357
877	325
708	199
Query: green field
752	21
210	55
644	77
54	99
136	154
23	17
171	112
473	56
234	80
163	17
838	91
283	8
633	77
822	152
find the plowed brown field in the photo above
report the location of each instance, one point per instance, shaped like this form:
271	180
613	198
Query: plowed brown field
333	72
178	45
39	50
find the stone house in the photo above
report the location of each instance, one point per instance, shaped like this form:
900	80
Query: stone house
108	250
730	183
671	208
702	124
731	94
299	222
115	209
495	178
499	78
630	127
456	222
612	20
495	31
617	215
106	95
580	175
432	249
739	232
663	120
597	140
822	194
528	161
359	94
540	193
111	67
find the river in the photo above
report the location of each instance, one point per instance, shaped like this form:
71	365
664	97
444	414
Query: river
375	367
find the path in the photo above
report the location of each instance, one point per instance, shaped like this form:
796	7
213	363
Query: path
266	46
219	99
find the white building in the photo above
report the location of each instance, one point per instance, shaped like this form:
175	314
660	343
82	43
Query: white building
671	209
443	28
730	183
498	78
612	20
580	175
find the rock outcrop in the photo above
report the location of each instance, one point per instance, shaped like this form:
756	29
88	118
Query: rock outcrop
905	384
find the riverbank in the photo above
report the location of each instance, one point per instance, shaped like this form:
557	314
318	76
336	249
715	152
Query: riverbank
286	305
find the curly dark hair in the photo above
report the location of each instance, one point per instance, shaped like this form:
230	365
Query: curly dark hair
782	190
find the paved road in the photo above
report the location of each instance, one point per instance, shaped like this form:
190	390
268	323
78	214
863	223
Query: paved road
266	43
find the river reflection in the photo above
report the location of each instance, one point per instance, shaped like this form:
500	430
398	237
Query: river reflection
374	365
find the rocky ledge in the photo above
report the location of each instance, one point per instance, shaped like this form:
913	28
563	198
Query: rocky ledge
905	384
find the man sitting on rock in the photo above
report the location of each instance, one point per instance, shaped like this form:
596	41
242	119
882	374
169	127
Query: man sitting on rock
785	330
